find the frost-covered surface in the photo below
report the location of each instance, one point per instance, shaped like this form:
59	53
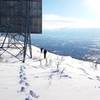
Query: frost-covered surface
57	78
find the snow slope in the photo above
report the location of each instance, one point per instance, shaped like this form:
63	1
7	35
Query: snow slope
56	78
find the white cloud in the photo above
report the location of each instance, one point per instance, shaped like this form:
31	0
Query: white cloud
53	17
51	21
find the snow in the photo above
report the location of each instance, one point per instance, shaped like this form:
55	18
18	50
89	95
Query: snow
56	78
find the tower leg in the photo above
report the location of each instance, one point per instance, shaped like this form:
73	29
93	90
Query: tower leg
25	47
4	40
30	47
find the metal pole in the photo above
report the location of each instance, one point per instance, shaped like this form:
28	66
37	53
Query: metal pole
30	47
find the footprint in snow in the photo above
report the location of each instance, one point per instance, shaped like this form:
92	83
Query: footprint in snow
33	94
22	73
21	81
21	76
22	89
90	78
26	84
24	78
27	99
66	76
98	78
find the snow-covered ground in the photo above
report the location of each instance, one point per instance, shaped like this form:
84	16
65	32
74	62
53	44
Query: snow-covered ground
57	78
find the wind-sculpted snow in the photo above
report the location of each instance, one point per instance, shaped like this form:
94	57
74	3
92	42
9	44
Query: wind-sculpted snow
54	78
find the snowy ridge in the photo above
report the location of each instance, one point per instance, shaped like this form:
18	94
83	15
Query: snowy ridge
56	78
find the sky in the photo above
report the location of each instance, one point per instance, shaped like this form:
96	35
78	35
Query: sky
71	14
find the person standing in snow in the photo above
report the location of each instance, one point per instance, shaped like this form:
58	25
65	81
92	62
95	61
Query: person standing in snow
41	49
45	53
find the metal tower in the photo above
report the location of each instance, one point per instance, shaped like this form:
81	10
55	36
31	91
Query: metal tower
18	20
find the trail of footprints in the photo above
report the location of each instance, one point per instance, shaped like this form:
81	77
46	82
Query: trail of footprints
29	94
25	86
